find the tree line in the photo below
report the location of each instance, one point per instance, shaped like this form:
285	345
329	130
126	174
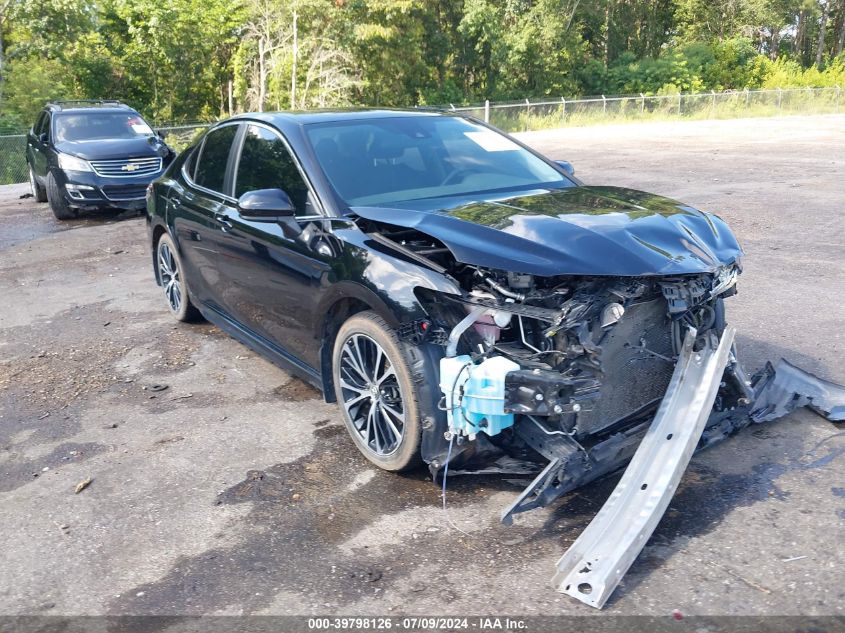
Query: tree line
189	60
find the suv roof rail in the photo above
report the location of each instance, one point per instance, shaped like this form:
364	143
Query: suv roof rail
86	102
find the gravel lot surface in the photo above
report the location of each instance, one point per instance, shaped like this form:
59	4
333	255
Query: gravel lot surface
236	489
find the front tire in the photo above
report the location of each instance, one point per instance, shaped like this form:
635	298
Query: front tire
376	392
57	201
171	276
38	191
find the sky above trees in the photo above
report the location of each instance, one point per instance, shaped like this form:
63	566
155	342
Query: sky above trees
184	60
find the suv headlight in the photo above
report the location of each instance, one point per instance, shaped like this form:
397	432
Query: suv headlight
72	163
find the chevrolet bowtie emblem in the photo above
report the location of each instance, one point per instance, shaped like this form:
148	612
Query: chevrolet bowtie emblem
130	167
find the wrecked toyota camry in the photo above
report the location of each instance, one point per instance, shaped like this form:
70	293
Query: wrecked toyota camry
471	305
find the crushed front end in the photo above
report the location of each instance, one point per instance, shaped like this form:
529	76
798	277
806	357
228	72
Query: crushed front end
568	371
573	376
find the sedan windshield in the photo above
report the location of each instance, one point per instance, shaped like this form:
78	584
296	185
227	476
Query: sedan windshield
89	126
373	162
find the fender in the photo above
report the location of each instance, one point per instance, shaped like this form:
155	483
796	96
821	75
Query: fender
385	282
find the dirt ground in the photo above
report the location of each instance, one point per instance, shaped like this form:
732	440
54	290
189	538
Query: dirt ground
235	489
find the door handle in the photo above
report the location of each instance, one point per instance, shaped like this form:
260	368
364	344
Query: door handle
225	223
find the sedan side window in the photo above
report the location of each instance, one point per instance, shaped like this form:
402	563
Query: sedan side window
211	169
266	163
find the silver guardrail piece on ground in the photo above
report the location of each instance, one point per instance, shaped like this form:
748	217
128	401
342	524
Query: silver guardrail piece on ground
595	563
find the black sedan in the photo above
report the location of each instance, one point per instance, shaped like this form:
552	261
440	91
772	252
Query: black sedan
470	304
459	295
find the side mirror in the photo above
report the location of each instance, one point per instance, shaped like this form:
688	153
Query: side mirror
161	134
566	166
265	205
42	138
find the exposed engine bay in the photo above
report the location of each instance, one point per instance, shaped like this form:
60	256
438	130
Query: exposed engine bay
543	366
575	373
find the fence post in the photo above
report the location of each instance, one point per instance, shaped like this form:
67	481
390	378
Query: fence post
642	103
838	92
563	113
487	110
712	103
603	105
680	96
452	105
780	99
747	94
527	114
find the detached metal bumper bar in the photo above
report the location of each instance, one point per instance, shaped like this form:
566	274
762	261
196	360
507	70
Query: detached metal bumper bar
593	566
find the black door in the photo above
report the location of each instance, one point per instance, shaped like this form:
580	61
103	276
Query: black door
37	148
196	211
275	269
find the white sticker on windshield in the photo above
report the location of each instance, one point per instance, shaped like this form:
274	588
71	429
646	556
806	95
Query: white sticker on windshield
141	128
491	141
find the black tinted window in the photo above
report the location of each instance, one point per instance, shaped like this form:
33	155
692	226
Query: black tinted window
211	169
266	163
39	123
43	125
92	126
398	159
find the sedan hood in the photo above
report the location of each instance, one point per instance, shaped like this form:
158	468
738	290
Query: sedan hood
106	149
575	231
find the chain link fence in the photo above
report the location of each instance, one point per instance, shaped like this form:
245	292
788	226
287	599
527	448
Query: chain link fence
526	115
520	116
12	159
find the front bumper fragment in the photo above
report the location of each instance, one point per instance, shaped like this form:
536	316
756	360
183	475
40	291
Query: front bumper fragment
785	387
595	563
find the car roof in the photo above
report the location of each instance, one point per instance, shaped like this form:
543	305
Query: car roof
94	107
281	119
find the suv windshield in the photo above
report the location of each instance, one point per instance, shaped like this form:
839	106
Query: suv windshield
392	160
89	126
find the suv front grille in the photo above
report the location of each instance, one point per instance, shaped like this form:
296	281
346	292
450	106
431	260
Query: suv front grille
126	167
117	193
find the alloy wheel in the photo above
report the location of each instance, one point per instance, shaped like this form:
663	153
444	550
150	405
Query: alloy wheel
371	394
168	270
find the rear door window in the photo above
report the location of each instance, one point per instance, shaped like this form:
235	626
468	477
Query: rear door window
43	125
213	158
39	122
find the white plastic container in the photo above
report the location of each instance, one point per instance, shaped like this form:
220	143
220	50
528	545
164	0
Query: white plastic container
484	396
453	374
482	407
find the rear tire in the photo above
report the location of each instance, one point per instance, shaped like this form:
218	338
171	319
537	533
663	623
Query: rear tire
38	191
57	201
172	278
376	392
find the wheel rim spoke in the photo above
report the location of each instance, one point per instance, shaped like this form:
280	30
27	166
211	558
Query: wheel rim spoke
389	423
169	273
354	360
387	374
348	385
370	394
377	430
370	415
